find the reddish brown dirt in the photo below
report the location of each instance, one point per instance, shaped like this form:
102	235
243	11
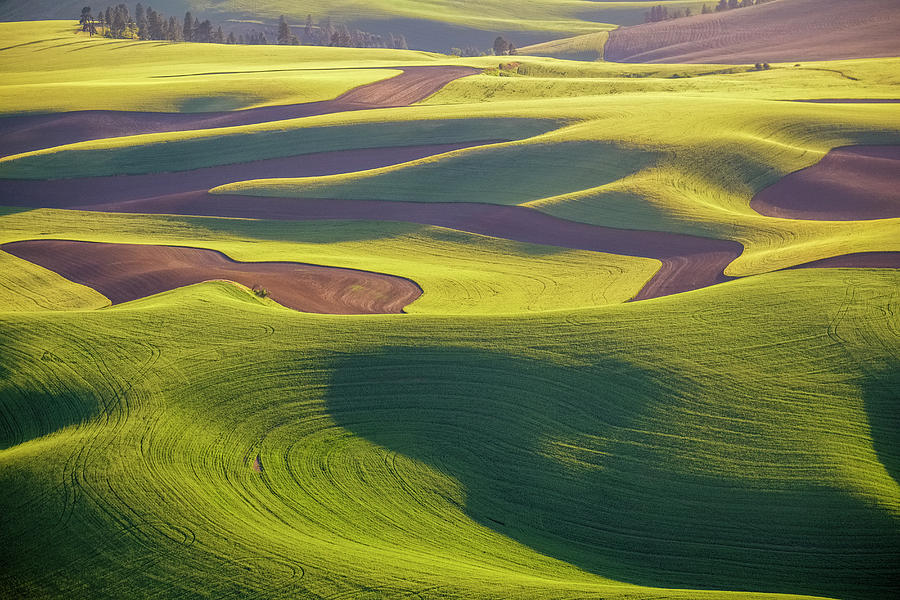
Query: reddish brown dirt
124	272
782	31
23	134
689	262
859	260
849	183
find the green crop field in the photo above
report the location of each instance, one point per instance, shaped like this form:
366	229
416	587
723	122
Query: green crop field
525	430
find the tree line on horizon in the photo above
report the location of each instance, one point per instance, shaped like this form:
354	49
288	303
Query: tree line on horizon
662	13
118	22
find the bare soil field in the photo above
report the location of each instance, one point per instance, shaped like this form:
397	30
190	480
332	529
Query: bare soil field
868	260
124	272
780	31
848	184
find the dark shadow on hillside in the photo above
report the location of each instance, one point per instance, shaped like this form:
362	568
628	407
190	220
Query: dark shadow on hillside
314	231
882	396
438	36
570	461
12	210
32	407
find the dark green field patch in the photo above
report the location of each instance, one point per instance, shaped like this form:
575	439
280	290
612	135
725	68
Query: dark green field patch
156	154
499	174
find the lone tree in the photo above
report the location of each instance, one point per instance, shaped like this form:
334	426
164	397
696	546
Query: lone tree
87	21
188	30
399	42
308	36
204	32
143	25
501	46
120	21
284	31
175	32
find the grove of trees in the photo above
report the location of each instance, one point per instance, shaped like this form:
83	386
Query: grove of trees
662	13
148	24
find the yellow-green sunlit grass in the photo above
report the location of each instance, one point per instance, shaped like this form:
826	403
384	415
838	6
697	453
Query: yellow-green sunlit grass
233	448
27	287
582	47
48	67
549	78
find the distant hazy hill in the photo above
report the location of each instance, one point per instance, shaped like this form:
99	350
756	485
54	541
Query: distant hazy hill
780	31
427	24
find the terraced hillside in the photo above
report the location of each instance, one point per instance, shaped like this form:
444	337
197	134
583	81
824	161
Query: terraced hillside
397	325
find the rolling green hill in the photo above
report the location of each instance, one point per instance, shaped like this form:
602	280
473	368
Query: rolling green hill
582	47
524	430
569	454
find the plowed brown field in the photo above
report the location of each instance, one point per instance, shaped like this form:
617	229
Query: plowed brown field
848	184
124	272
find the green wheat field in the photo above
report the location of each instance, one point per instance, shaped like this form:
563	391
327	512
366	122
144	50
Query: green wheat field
530	426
